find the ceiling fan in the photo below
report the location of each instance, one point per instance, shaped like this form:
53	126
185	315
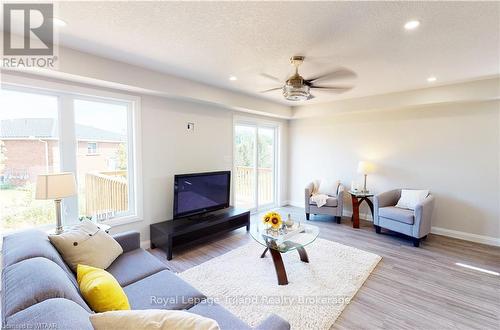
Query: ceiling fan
296	88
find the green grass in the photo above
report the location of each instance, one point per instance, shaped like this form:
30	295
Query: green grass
19	209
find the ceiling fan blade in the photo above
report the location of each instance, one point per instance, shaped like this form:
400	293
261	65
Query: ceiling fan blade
270	90
337	89
268	76
336	74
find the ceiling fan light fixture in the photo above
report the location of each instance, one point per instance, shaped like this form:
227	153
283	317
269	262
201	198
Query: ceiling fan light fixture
295	93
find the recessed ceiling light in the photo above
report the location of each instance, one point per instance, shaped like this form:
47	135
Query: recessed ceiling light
431	79
233	78
412	25
58	22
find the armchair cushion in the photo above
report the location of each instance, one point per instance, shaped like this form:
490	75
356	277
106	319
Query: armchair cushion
330	201
397	214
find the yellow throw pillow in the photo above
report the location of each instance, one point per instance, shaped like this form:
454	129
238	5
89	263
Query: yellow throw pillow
151	319
101	290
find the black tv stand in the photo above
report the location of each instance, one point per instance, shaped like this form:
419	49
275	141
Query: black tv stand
198	217
177	232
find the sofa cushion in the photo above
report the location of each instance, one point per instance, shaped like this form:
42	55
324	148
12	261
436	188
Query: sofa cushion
135	265
57	313
226	320
397	214
34	280
163	290
330	201
31	244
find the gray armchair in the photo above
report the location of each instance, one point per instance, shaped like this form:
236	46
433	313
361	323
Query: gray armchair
416	224
334	203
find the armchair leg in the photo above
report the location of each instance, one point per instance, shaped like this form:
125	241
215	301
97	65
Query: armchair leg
416	242
377	229
338	219
307	216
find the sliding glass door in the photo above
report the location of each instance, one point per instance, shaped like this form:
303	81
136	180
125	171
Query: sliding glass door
254	166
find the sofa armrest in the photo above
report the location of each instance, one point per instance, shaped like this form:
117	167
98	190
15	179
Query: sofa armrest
423	217
340	199
129	240
307	196
388	198
273	322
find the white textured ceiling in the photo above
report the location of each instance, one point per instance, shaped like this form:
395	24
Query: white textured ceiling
209	41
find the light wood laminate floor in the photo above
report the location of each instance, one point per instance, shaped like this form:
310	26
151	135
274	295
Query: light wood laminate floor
411	288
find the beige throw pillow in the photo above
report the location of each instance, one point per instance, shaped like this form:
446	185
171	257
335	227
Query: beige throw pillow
151	319
315	187
86	244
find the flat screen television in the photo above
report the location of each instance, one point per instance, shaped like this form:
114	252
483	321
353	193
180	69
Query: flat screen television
198	193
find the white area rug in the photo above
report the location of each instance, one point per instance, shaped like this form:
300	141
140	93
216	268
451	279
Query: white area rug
317	292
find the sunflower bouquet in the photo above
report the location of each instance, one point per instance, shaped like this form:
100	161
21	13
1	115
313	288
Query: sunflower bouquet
272	220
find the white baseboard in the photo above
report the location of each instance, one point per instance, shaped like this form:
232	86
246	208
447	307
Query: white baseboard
466	236
435	230
296	204
146	244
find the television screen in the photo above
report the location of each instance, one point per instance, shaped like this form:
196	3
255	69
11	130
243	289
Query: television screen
200	192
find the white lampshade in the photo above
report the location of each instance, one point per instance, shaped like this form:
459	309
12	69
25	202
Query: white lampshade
55	185
365	167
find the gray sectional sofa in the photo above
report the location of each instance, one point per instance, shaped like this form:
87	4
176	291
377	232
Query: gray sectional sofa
40	291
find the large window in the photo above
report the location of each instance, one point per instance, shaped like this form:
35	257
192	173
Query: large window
91	136
29	145
104	173
255	165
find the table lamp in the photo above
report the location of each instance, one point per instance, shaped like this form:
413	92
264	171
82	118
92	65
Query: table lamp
56	186
365	168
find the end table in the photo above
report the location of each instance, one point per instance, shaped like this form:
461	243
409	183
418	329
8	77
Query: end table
357	198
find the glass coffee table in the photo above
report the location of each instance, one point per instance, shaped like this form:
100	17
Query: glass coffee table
282	242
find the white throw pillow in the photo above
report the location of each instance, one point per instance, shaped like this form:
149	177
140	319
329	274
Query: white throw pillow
86	244
410	198
328	187
157	319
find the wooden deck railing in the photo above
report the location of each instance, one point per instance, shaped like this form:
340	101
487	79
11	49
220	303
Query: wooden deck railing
245	188
106	192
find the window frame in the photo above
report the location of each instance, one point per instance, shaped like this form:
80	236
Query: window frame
94	149
68	145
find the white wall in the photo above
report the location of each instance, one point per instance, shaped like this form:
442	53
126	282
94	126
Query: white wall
453	150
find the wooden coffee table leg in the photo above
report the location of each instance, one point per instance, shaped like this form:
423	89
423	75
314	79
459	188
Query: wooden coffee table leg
370	205
303	254
355	212
279	267
264	253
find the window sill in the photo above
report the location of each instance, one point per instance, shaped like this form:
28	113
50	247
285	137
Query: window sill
119	221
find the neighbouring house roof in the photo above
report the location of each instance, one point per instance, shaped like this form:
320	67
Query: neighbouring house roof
46	128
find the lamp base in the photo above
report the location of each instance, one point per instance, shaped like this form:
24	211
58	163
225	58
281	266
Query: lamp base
59	226
364	190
